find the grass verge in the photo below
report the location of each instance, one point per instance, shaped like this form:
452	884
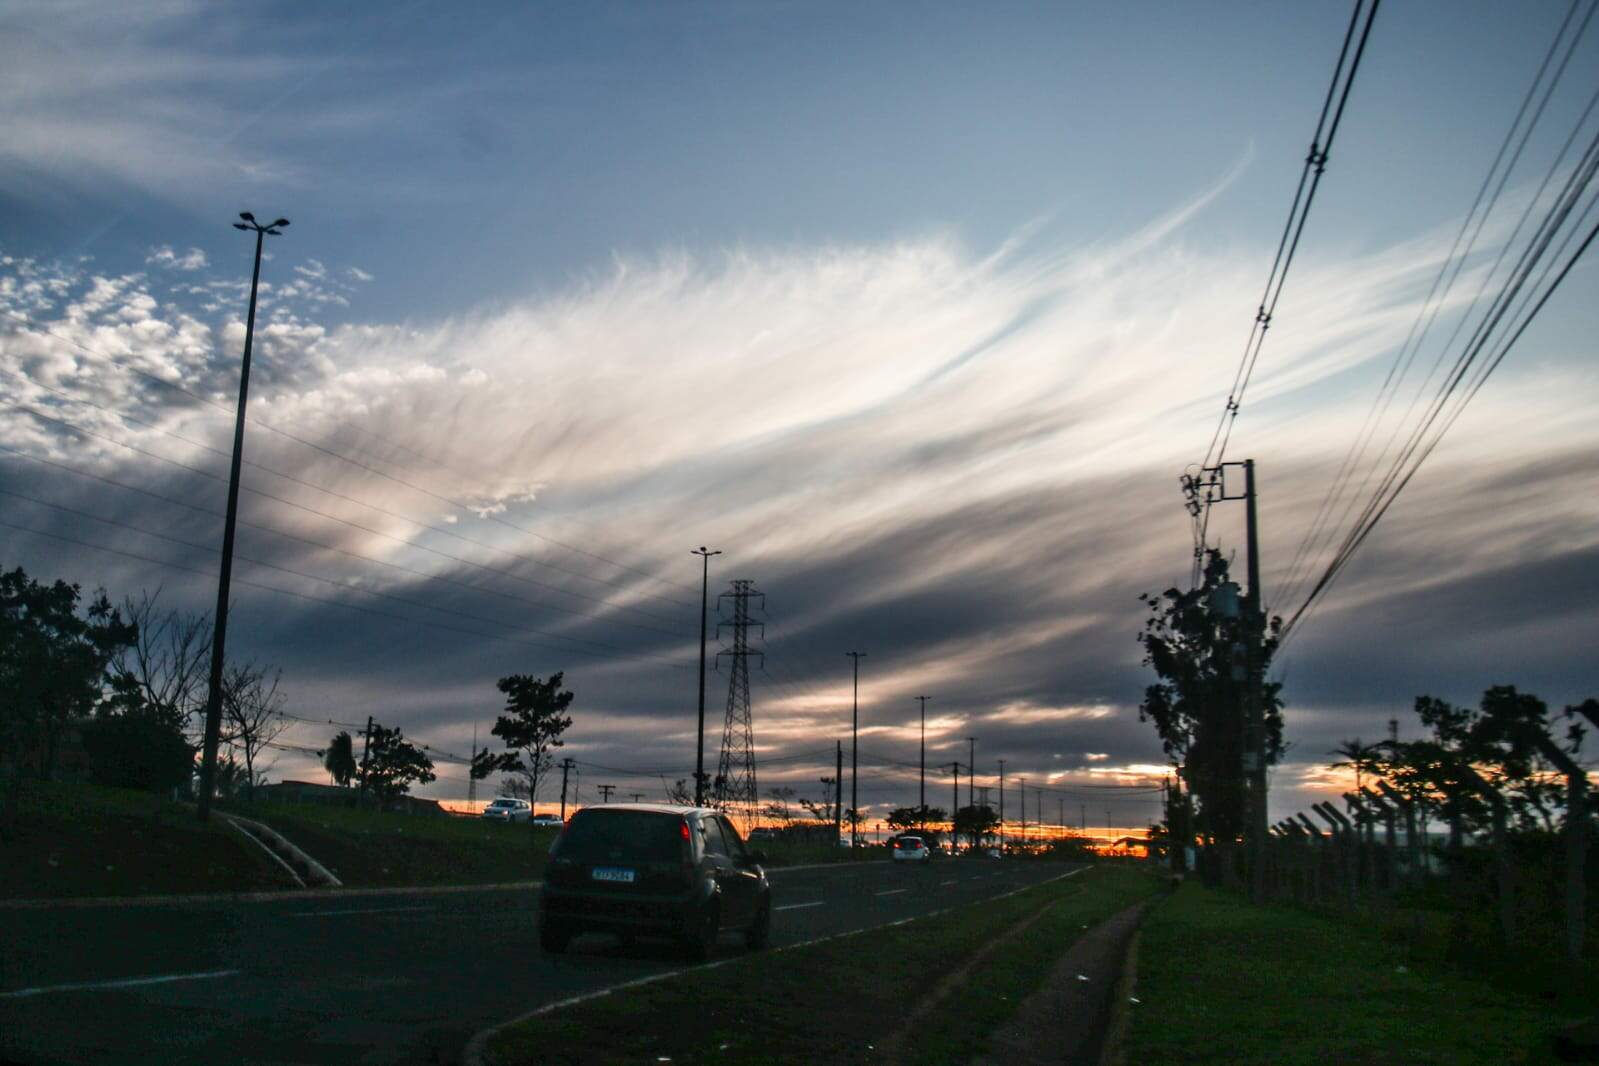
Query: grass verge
1224	982
366	848
836	1001
71	840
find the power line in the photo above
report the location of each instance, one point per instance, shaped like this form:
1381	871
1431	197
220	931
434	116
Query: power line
1321	529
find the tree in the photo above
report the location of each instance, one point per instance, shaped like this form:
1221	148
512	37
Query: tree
251	714
393	764
1192	642
914	817
976	822
167	662
778	809
1497	738
53	664
679	793
1364	759
531	728
339	759
827	809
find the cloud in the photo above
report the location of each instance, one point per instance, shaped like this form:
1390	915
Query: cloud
963	464
164	256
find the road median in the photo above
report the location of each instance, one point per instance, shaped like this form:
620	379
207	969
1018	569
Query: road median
840	999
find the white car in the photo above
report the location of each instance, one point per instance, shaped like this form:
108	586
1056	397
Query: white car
548	820
506	809
911	849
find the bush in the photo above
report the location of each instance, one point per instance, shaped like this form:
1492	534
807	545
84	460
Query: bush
134	751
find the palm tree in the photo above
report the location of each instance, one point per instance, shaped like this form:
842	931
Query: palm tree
1360	757
339	759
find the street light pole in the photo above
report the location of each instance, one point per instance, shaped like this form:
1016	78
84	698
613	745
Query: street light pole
971	770
854	750
219	629
921	809
699	749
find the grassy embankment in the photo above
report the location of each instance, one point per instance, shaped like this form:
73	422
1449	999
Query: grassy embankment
81	840
837	1001
1224	982
366	848
74	840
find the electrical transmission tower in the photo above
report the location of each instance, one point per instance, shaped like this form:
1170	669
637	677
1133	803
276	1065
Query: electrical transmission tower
735	790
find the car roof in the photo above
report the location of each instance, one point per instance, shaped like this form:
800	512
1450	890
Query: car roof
656	808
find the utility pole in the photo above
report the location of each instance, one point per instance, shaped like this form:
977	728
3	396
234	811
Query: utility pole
956	768
219	626
922	778
566	766
1255	723
838	792
605	792
1212	482
471	782
638	797
1021	788
971	769
366	742
699	756
1002	806
854	749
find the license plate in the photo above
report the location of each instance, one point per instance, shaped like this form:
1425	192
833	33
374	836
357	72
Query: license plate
612	873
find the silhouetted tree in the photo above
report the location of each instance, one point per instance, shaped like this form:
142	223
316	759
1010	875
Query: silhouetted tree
339	759
531	728
777	809
1364	759
975	822
168	661
914	817
393	764
251	718
679	793
1197	703
53	664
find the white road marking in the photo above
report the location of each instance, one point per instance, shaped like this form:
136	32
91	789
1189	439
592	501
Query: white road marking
948	882
892	892
130	982
357	910
797	906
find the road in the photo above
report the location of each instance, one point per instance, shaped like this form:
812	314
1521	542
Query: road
406	977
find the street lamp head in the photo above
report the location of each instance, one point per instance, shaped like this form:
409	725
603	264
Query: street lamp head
240	225
280	222
247	216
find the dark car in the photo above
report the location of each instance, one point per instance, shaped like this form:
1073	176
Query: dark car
645	870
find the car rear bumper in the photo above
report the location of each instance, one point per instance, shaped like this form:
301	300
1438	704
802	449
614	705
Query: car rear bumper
580	911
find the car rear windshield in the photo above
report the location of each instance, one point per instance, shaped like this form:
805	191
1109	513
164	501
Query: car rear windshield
632	836
910	842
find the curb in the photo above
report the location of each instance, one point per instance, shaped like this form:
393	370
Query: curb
1111	1053
259	896
472	1054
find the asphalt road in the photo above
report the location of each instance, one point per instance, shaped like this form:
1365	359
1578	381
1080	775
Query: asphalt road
393	978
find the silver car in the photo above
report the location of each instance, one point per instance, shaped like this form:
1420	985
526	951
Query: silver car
506	809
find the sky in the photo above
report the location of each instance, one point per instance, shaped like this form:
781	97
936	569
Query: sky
916	314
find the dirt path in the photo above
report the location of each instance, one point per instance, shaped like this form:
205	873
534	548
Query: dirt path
1066	1021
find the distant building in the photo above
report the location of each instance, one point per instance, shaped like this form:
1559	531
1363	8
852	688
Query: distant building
310	792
